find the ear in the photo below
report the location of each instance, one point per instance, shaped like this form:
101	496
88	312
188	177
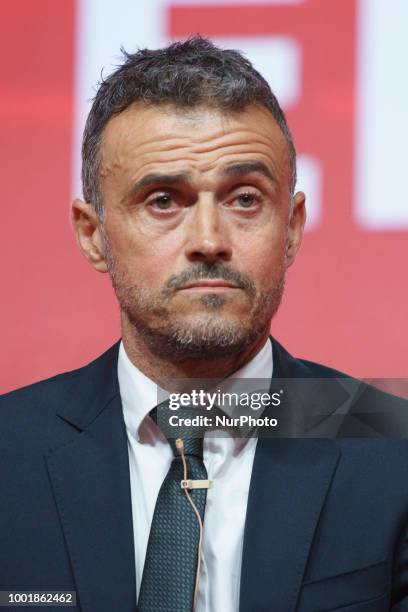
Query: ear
296	225
87	229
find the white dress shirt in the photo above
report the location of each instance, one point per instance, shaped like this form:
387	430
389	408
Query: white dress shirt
229	465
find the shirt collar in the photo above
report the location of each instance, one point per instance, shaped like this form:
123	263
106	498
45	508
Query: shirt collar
140	394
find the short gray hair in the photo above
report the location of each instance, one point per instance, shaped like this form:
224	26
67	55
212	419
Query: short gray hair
184	74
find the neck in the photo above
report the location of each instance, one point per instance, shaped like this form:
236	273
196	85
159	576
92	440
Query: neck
159	368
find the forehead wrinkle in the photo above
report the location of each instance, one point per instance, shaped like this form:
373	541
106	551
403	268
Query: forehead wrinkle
207	144
236	139
124	149
125	140
188	161
163	148
191	162
212	154
211	168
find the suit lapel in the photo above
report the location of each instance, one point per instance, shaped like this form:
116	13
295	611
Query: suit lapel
290	480
89	473
90	480
289	483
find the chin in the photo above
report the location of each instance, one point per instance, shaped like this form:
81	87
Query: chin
202	338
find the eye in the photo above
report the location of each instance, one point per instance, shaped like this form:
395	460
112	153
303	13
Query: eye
246	200
161	202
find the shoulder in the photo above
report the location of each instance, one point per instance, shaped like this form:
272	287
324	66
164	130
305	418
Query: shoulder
355	408
39	400
295	366
288	366
366	393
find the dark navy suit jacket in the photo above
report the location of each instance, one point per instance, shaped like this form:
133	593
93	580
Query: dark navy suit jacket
326	526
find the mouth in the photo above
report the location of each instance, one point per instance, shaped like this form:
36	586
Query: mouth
210	286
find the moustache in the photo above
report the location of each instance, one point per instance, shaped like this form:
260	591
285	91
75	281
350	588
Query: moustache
205	271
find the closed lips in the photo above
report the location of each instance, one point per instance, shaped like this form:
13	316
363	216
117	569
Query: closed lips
210	283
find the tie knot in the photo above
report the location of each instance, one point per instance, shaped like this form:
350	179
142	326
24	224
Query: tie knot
192	436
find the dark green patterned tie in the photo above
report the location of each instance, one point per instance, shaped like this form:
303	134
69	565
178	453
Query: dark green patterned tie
169	573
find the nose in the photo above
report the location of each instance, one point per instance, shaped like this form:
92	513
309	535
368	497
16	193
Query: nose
207	239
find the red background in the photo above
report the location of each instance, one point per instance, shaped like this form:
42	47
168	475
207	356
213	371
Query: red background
346	296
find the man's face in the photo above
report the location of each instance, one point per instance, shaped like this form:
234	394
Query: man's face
196	232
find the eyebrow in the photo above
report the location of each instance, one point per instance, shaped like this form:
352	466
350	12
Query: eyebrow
248	168
154	179
240	169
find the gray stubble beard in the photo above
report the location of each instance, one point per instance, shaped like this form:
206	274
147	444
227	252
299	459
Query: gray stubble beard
211	338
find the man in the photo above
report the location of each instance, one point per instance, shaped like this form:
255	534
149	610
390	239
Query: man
189	172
